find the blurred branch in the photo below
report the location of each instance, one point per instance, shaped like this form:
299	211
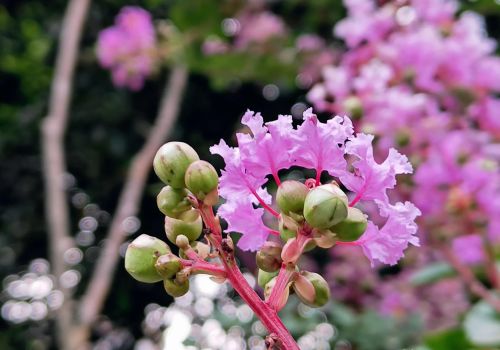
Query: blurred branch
53	130
467	276
130	197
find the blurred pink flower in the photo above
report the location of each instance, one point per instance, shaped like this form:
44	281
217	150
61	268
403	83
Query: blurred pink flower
258	28
469	249
128	48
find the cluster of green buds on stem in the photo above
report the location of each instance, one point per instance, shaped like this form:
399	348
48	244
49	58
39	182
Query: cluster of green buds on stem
189	182
310	217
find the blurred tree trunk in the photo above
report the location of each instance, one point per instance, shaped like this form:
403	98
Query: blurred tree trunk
74	319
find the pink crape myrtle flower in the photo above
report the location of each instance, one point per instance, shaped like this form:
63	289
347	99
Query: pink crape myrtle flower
128	48
469	249
258	28
324	147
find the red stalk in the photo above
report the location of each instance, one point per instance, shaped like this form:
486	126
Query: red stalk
268	316
284	277
264	204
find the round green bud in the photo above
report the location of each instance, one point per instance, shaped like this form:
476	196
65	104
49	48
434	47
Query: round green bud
173	202
202	180
334	188
174	288
291	195
324	208
264	277
312	289
141	257
268	258
172	160
288	227
353	226
168	265
188	224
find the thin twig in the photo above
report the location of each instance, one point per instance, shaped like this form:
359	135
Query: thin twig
130	197
468	277
53	130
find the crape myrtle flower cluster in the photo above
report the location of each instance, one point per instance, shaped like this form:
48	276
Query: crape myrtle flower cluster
323	147
128	48
309	214
424	78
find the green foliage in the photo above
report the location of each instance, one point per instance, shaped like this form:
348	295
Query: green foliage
432	273
446	340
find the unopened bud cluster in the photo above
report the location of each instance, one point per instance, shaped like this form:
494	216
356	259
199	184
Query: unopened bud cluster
309	218
188	179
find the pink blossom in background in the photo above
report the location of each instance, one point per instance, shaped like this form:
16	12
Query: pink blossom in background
324	147
469	249
128	48
423	77
258	28
214	46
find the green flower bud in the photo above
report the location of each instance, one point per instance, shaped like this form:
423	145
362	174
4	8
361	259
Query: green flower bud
168	265
325	206
269	257
312	289
188	224
353	226
291	196
172	202
174	288
288	227
202	180
141	257
172	160
264	277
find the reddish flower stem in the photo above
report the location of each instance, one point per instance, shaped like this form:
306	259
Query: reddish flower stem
356	199
284	277
268	316
276	178
264	204
262	310
205	267
318	176
273	232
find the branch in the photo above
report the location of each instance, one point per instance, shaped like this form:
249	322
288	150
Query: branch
53	129
130	197
466	274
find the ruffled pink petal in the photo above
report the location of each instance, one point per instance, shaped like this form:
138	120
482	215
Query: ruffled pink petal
235	181
243	218
265	151
371	179
320	146
388	243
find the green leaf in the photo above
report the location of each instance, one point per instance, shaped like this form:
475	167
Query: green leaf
448	339
431	274
482	325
